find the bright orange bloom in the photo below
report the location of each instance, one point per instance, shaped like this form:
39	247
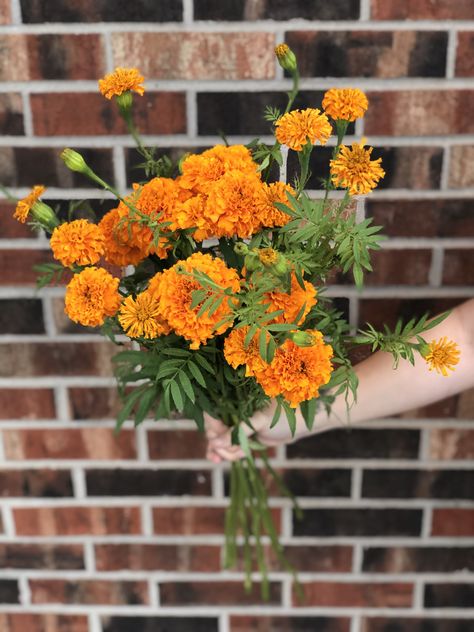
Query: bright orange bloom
175	287
293	302
269	214
295	128
232	203
442	355
347	104
120	249
236	354
352	169
191	213
297	373
92	295
120	81
140	317
25	205
78	242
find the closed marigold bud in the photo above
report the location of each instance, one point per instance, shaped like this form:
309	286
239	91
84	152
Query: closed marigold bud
286	57
303	338
74	161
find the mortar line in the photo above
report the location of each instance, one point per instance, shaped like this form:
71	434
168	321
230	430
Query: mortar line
188	13
435	274
94	621
146	519
355	623
224	622
445	168
8	521
364	15
89	556
79	483
427	523
61	403
191	114
451	54
48	315
418	593
120	170
27	115
15	7
154	592
24	590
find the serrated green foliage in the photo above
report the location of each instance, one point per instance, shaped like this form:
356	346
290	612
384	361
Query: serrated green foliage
49	273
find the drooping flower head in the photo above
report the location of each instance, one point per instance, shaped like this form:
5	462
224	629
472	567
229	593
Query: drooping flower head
292	303
347	104
119	247
25	205
297	127
174	290
78	242
237	354
354	170
120	81
140	317
269	214
442	355
92	295
297	373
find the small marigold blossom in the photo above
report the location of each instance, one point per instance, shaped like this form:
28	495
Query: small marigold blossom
120	81
140	317
442	356
292	303
271	216
119	248
353	169
297	127
25	205
237	354
347	104
91	296
78	242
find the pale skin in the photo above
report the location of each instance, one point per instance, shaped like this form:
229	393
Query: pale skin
383	392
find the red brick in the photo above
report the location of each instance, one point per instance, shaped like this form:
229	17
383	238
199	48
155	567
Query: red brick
323	559
94	403
420	113
309	623
5	12
356	595
17	266
464	58
215	593
45	556
34	403
27	57
158	557
461	167
450	443
176	444
11	120
88	592
71	443
388	271
53	358
453	522
458	268
421	10
10	227
188	520
16	622
228	56
80	114
48	521
31	483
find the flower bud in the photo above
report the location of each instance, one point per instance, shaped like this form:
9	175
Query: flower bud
268	256
44	215
240	248
303	338
74	161
251	262
125	101
286	57
281	267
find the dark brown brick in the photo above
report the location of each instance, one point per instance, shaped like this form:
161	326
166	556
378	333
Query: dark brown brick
157	557
461	167
464	60
194	55
27	403
358	443
388	271
449	595
94	403
460	406
407	624
369	53
20	622
11	120
35	483
316	482
448	484
451	443
21	316
27	57
10	227
389	310
176	444
223	593
453	522
420	113
429	559
18	270
458	267
52	521
147	482
356	595
85	114
196	623
421	10
34	11
275	10
9	592
358	522
44	556
71	443
287	624
89	592
323	559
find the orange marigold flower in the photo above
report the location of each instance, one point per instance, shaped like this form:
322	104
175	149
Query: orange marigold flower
232	203
120	250
120	81
140	317
347	104
297	373
236	354
77	242
269	214
191	214
202	170
175	288
293	303
295	128
25	205
92	295
352	169
442	355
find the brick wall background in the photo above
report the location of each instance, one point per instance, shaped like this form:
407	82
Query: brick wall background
106	534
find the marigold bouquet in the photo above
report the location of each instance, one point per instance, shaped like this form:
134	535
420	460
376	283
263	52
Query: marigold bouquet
218	275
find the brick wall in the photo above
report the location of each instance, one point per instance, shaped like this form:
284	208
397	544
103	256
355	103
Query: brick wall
112	534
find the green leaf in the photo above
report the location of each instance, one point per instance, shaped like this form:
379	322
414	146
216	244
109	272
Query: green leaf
291	417
176	394
144	406
196	373
277	413
197	297
176	352
187	386
308	410
262	345
200	359
244	442
250	335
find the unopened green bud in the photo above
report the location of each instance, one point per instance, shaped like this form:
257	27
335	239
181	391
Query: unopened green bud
44	215
125	101
281	267
251	262
240	248
74	161
286	57
303	338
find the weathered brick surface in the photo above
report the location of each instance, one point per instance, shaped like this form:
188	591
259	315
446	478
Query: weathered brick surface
418	560
147	482
409	624
276	10
11	115
101	11
458	267
35	483
461	167
421	10
42	556
159	557
199	623
453	522
446	444
21	316
357	595
18	622
222	593
5	11
45	591
176	444
33	404
288	624
464	61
